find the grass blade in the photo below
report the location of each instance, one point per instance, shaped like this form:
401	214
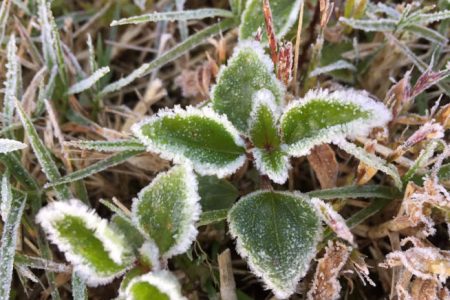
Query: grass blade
108	146
19	172
8	246
79	291
42	153
356	191
212	216
193	41
88	82
95	168
185	15
13	83
4	12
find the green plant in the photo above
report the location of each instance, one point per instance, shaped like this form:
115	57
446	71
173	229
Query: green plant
252	127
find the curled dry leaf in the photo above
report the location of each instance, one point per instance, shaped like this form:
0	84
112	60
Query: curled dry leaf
425	262
326	284
334	220
323	161
360	267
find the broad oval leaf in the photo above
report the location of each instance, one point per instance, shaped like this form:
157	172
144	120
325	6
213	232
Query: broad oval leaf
167	209
99	254
248	71
277	232
270	157
160	285
284	15
323	117
200	136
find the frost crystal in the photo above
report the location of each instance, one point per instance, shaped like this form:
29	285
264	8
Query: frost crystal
55	214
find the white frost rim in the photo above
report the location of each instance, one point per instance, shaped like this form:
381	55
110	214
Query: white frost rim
278	176
170	152
163	280
380	116
281	292
192	210
112	241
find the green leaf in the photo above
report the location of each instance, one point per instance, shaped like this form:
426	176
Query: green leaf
160	285
8	244
248	71
323	117
203	137
185	15
129	231
99	253
277	232
284	13
212	216
216	193
270	157
167	209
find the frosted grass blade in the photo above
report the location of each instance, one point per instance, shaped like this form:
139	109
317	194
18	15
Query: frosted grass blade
175	16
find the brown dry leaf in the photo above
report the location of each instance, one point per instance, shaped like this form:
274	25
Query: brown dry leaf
149	162
424	289
358	264
365	172
154	92
334	220
323	161
326	284
423	261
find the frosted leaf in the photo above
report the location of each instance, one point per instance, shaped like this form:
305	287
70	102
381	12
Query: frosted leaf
88	82
248	71
334	220
7	197
7	145
284	12
338	65
322	117
8	244
185	15
370	25
166	210
326	284
277	233
200	136
270	156
46	33
371	160
149	252
4	14
160	285
99	254
13	82
427	263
